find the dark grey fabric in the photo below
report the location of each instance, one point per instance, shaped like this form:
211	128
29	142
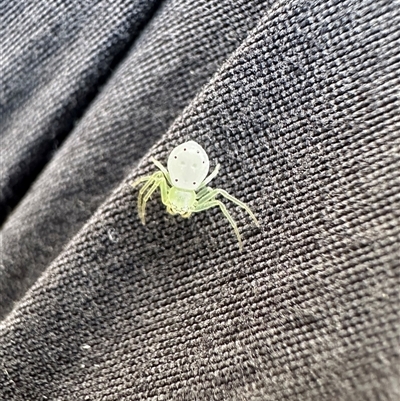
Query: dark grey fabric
55	54
158	78
299	102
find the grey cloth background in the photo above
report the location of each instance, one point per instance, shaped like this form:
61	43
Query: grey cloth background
299	102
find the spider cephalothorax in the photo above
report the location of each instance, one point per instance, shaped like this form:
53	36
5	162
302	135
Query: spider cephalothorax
184	187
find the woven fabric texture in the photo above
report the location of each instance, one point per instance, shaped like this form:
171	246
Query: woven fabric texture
159	77
299	103
55	55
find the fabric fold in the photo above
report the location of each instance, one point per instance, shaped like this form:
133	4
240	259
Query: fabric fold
55	56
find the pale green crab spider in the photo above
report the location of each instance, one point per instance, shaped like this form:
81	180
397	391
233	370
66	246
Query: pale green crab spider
183	185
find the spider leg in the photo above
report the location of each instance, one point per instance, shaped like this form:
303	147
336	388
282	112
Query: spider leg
140	204
169	210
209	204
164	189
211	176
139	180
146	197
154	181
203	191
149	180
237	202
208	194
163	169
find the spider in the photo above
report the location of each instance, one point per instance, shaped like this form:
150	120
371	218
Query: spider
183	185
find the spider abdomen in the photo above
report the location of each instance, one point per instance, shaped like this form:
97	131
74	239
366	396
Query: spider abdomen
188	165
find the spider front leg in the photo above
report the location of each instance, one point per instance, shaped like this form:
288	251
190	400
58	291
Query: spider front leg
138	181
151	185
158	181
211	203
164	188
207	194
239	203
163	169
210	177
149	180
143	198
206	199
